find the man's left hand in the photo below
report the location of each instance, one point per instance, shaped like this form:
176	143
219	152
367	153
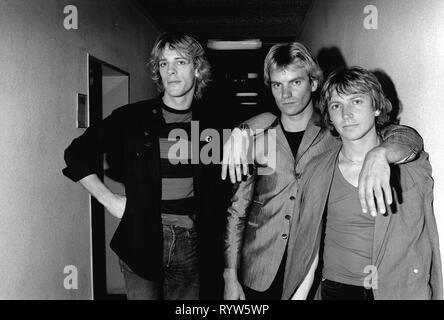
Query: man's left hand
374	182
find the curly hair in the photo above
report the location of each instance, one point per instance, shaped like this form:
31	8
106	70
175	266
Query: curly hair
354	80
188	46
283	55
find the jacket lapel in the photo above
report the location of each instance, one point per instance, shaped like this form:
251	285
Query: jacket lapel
282	140
147	140
320	185
311	132
306	228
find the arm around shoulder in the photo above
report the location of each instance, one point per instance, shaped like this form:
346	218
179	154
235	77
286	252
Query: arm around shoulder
260	121
401	143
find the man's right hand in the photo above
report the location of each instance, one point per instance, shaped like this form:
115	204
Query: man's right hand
235	158
233	289
116	205
235	155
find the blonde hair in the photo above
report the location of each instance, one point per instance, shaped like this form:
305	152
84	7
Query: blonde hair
187	46
352	81
284	55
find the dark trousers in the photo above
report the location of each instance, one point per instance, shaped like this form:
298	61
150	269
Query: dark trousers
332	290
181	280
276	287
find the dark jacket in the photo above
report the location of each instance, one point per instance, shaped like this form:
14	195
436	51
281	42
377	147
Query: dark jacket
130	139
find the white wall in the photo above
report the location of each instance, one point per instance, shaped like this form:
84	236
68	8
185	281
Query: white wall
44	217
409	46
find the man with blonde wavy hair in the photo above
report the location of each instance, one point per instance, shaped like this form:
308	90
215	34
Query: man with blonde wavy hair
156	240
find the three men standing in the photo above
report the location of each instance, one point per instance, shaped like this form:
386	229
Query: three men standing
167	207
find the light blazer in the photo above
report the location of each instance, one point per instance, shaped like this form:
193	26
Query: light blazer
405	247
262	207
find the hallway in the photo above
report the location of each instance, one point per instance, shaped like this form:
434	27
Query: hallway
46	224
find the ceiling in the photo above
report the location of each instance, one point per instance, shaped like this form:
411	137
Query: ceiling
228	19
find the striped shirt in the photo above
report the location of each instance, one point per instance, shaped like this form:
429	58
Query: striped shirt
175	159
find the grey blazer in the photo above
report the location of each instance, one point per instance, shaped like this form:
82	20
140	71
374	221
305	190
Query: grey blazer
406	242
262	207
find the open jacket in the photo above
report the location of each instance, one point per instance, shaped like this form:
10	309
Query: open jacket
129	138
262	208
265	205
405	246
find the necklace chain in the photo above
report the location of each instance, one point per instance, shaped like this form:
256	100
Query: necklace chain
352	161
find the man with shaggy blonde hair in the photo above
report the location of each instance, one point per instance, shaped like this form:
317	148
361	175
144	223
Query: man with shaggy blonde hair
156	240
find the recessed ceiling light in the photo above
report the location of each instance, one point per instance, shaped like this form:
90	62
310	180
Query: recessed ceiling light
249	44
246	94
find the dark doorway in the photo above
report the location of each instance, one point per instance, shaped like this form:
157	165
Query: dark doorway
108	89
237	88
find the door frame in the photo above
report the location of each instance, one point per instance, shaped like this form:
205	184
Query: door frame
97	211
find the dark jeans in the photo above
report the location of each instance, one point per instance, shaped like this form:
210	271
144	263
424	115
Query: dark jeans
332	290
181	281
276	287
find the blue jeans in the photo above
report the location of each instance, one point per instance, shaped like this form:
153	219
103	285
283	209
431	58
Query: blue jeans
181	277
